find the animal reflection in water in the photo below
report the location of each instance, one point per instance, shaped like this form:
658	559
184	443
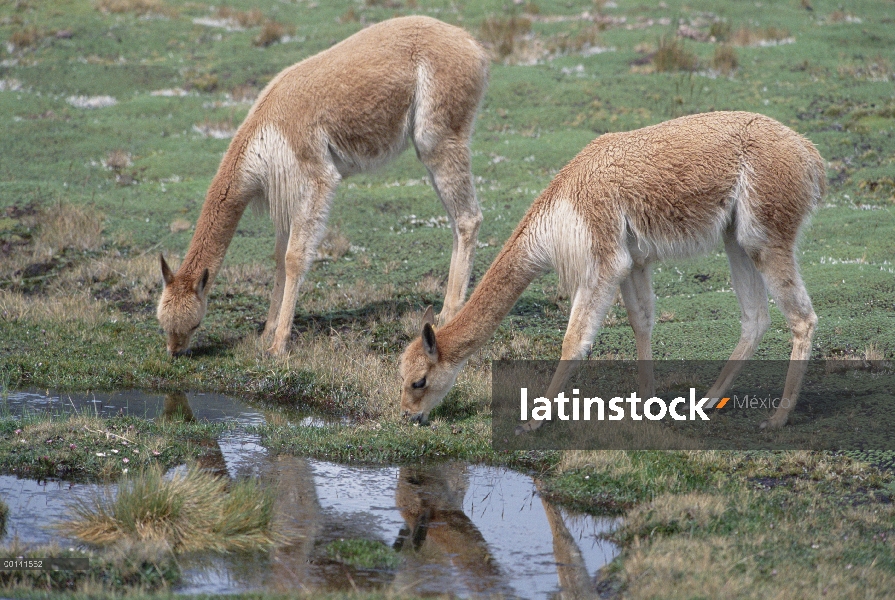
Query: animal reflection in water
431	504
441	547
176	408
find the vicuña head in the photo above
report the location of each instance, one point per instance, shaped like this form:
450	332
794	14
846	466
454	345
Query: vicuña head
427	380
627	200
181	307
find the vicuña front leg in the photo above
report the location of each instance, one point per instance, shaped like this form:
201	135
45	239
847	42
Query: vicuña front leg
637	292
276	296
305	233
589	307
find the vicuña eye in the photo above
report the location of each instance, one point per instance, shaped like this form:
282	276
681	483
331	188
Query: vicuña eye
419	384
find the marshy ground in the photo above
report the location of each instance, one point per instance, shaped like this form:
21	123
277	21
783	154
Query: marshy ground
115	114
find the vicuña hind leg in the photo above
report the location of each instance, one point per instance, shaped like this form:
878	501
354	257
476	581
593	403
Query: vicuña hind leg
755	319
788	290
448	163
637	292
589	307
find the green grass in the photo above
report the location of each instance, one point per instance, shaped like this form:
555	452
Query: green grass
363	554
78	314
137	568
81	448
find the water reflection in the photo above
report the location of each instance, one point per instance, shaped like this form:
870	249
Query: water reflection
459	529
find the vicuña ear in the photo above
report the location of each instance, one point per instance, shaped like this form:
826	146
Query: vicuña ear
429	344
202	282
167	275
429	316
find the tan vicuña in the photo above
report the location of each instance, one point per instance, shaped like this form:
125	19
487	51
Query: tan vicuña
348	109
627	200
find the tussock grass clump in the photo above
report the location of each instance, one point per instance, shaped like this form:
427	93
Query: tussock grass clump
245	18
25	37
673	55
271	33
138	7
333	246
746	36
725	59
584	39
193	510
503	36
720	30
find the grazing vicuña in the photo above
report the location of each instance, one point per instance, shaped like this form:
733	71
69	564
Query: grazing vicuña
350	108
629	199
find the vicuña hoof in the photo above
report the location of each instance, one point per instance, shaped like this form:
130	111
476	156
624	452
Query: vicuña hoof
772	424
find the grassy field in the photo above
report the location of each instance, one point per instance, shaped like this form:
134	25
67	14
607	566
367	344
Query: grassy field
115	114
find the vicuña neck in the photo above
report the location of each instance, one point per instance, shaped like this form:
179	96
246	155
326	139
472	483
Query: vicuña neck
224	204
503	283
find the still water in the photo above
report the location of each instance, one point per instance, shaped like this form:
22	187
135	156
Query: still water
460	529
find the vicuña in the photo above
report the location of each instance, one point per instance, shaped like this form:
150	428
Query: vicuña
348	109
627	200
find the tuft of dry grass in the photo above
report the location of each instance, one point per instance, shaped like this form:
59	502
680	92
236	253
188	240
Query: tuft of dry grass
118	160
244	18
746	36
669	513
26	37
193	510
343	362
139	7
725	59
271	33
720	31
430	284
583	40
504	36
178	225
333	246
614	462
673	55
219	129
63	225
57	308
349	16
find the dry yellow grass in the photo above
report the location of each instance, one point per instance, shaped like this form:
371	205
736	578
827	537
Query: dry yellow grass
62	308
725	59
272	32
62	225
505	37
732	566
139	7
333	246
747	36
340	361
190	511
616	462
